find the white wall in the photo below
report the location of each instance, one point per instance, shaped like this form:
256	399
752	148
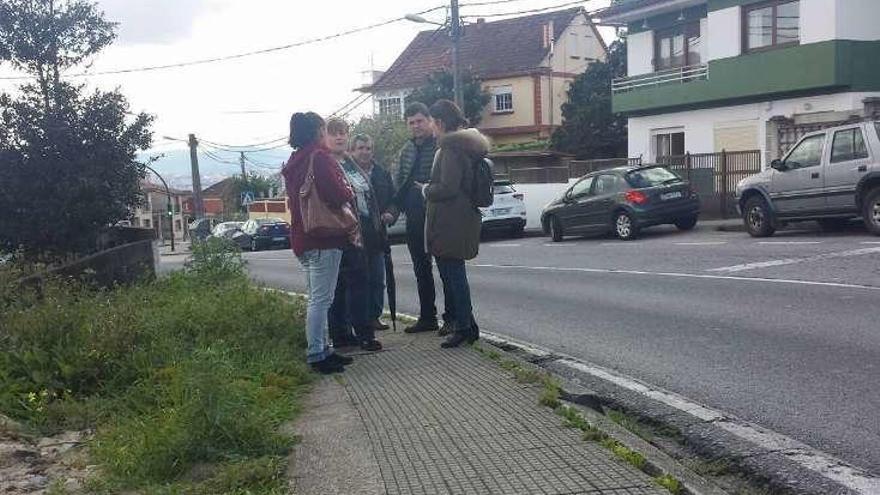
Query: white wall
724	33
699	125
639	53
536	197
858	20
818	20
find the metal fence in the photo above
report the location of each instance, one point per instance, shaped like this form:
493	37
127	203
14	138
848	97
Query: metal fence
714	176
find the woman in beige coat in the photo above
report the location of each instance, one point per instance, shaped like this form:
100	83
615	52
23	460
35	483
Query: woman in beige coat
452	230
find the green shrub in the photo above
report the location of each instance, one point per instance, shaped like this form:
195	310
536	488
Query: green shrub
197	367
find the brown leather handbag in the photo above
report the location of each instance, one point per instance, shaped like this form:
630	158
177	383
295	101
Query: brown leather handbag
318	218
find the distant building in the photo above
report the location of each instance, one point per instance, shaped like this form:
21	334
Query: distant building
525	63
154	212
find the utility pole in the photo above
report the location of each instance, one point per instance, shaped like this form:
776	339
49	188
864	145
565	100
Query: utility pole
244	181
455	33
198	206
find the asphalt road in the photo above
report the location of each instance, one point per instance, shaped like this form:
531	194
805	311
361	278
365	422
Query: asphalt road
783	332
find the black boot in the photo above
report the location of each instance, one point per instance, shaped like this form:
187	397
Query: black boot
339	358
327	366
455	340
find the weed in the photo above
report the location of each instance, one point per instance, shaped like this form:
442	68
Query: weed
623	452
627	422
196	368
670	483
550	396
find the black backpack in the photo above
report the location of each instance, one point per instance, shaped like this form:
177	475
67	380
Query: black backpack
482	193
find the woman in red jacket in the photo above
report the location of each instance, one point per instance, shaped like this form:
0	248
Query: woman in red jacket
319	256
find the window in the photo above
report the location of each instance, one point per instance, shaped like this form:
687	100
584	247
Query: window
503	98
668	144
581	189
807	154
677	47
848	145
772	24
608	184
389	107
650	177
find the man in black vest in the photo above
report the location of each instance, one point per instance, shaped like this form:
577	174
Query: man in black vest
414	165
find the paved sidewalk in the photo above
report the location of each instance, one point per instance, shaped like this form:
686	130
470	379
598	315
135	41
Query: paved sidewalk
416	419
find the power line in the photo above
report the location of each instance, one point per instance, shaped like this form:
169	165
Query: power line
239	55
531	11
265	143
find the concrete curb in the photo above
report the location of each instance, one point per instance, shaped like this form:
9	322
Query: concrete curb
589	405
765	457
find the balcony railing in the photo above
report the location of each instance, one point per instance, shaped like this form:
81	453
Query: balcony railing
679	75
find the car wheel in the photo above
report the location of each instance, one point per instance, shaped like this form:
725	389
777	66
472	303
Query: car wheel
757	218
556	229
517	231
871	211
833	224
625	226
686	223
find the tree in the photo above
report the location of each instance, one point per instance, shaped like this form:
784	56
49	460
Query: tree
389	135
68	164
439	86
589	127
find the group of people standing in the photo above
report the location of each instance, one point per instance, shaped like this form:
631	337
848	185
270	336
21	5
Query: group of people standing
345	273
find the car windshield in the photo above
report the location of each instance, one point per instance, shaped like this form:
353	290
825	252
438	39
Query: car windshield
503	189
651	177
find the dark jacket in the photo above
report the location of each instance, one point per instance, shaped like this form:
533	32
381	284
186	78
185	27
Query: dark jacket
413	165
453	222
333	189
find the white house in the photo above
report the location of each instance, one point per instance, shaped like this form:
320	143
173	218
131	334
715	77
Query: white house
712	75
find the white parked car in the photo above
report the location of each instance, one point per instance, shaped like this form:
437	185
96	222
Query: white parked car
226	229
508	212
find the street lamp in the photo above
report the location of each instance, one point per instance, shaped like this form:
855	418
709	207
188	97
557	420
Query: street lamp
170	204
455	34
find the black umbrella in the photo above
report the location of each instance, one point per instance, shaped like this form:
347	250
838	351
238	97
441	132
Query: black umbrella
391	287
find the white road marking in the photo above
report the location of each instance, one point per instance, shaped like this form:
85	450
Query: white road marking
787	243
792	261
503	245
819	462
712	243
680	275
556	244
871	242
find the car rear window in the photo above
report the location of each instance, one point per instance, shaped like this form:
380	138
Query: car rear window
651	177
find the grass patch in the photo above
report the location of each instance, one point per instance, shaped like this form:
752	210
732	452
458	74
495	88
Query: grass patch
670	483
196	369
628	422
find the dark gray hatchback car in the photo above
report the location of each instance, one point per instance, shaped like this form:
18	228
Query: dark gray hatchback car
622	201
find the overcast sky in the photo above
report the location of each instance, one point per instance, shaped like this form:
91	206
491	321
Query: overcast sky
250	100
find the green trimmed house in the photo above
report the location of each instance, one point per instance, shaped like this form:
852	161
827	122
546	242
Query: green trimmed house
710	75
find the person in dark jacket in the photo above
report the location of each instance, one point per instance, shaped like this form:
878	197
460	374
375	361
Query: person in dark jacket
414	165
320	256
376	244
351	301
452	231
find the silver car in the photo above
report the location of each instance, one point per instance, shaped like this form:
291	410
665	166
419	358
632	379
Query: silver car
831	176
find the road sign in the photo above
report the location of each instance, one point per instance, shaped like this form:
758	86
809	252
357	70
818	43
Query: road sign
247	198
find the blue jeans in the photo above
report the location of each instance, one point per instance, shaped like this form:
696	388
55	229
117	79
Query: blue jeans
376	274
322	269
458	291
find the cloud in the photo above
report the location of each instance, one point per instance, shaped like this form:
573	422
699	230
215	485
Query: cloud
153	21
